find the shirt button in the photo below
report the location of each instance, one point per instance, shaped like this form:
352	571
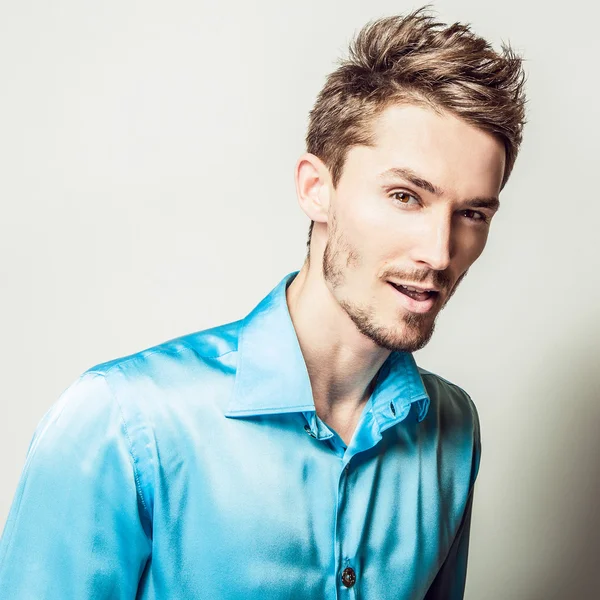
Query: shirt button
348	577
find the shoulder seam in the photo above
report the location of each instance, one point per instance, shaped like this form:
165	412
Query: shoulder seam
135	460
118	362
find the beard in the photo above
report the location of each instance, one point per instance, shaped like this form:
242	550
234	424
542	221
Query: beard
412	332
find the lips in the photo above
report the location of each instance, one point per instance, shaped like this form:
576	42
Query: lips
420	296
420	302
415	295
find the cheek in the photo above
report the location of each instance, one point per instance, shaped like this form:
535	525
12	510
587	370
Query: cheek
359	219
373	223
365	231
381	240
469	246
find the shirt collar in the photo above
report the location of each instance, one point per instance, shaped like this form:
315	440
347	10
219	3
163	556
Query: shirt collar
271	376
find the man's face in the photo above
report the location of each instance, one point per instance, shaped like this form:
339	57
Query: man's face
408	210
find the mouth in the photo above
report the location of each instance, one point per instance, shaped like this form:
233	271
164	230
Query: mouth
416	301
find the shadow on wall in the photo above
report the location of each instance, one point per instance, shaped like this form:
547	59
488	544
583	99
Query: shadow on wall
562	500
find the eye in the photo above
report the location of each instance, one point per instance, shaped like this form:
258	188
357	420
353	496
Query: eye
475	215
402	198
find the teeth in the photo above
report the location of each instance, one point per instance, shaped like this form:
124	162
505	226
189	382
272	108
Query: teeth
412	289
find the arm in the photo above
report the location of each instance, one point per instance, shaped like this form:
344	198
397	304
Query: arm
78	526
449	583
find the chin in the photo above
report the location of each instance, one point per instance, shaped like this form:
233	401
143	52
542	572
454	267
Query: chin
408	339
411	333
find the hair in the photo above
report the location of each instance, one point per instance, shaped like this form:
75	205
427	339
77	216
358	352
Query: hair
415	59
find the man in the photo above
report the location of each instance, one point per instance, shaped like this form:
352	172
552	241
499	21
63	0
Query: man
300	452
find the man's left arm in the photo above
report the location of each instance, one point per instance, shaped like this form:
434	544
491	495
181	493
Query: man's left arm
449	583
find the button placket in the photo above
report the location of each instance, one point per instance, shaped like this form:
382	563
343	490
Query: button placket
346	573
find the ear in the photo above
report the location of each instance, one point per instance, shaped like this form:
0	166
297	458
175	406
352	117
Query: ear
312	187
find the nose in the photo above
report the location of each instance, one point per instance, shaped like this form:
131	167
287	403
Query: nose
434	243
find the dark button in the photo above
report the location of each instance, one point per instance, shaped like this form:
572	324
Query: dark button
348	577
393	408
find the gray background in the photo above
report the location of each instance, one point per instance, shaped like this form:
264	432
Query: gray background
147	154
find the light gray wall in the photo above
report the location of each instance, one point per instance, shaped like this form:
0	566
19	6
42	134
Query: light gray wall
147	151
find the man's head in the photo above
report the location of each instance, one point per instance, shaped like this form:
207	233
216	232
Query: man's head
409	143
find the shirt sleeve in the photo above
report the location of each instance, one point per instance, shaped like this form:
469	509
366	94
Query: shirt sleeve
78	526
449	583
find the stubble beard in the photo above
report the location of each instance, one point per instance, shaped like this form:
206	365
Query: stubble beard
413	331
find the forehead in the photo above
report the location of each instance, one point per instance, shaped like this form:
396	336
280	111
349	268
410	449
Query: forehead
441	147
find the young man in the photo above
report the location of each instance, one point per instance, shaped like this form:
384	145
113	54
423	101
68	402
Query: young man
300	452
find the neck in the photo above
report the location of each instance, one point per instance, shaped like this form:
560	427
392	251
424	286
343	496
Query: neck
342	363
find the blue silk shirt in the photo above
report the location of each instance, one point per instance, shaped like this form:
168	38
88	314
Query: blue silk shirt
199	469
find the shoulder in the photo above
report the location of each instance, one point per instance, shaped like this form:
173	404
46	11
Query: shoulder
135	390
150	384
175	354
131	403
449	399
453	413
83	410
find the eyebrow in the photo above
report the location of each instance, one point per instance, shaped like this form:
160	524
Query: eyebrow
491	203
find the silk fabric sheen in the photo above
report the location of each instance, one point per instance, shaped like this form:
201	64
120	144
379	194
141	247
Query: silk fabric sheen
199	469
